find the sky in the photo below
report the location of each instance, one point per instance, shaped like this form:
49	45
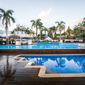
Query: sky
70	11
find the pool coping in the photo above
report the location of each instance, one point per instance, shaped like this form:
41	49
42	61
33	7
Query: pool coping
43	68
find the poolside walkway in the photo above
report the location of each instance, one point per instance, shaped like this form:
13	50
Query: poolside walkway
29	76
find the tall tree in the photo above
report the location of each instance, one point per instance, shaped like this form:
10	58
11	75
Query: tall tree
45	29
6	17
69	31
35	24
23	28
41	28
60	26
53	30
26	30
83	23
17	28
76	31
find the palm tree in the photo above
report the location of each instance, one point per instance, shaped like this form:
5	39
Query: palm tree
35	23
6	17
69	31
83	23
76	31
17	28
60	26
26	30
49	33
32	33
23	28
45	29
41	28
53	30
12	32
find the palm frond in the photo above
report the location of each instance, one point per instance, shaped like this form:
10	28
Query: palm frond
9	12
0	16
32	21
2	10
9	21
13	20
62	22
3	20
57	22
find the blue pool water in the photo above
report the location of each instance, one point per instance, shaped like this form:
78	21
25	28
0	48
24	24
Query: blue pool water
44	46
61	63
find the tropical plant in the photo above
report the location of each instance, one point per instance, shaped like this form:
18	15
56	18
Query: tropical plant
45	29
60	27
69	31
53	30
12	32
26	30
50	33
22	28
41	28
17	28
83	23
6	17
76	31
32	32
35	24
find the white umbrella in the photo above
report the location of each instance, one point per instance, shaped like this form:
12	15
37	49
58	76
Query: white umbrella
48	38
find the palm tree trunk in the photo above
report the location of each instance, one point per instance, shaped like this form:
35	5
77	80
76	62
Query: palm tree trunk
64	32
6	32
36	33
40	34
69	35
53	34
45	34
60	35
7	35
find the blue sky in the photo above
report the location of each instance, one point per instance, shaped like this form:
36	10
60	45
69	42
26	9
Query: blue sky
70	11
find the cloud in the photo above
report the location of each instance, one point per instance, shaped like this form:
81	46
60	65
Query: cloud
43	14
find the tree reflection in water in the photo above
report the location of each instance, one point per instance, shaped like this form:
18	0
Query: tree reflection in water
7	73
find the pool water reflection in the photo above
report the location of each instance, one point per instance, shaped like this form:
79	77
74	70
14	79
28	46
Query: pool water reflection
61	64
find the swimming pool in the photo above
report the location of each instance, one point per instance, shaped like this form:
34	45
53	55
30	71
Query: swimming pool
44	46
61	64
